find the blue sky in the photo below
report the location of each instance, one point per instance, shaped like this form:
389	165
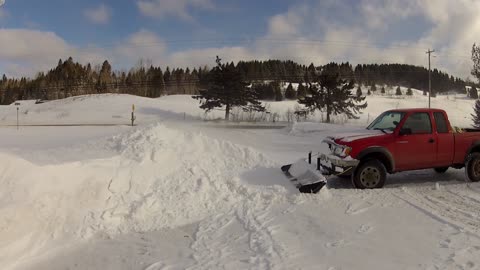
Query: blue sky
35	34
228	19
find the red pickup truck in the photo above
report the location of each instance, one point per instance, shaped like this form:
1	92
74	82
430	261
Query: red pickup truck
402	140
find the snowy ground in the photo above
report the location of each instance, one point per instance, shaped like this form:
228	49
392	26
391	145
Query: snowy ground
175	192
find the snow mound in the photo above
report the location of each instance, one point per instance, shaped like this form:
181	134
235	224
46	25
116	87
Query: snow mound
161	178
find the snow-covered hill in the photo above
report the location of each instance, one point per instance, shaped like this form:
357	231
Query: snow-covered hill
176	192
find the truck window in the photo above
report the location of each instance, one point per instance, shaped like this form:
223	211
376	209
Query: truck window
419	123
441	122
387	121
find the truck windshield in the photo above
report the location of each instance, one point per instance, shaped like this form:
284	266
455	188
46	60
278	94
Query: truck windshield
387	121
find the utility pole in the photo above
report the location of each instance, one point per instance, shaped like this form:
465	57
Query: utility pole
429	52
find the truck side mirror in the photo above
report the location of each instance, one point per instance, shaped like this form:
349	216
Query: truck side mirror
405	131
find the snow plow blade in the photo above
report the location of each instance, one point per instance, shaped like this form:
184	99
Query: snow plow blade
304	176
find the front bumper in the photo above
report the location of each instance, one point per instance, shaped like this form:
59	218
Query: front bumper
333	165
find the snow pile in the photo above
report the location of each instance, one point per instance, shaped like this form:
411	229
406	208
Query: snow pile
148	186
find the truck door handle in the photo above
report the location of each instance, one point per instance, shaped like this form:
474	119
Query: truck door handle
431	140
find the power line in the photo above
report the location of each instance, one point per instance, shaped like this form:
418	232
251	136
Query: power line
275	41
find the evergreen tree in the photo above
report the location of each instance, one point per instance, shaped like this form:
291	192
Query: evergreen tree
269	91
359	91
476	61
301	91
369	92
476	115
409	92
373	88
277	90
398	92
225	86
104	78
333	95
383	90
265	91
473	92
290	93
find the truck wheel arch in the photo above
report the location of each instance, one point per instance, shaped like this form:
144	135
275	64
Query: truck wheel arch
474	148
379	153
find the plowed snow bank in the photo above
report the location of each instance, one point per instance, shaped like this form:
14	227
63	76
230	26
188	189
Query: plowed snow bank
147	186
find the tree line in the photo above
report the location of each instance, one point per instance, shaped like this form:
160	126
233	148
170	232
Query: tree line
71	78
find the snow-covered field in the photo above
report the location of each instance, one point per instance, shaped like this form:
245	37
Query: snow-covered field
176	192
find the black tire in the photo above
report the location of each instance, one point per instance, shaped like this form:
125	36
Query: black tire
472	167
369	175
441	169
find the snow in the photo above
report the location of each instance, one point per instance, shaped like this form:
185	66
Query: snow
177	192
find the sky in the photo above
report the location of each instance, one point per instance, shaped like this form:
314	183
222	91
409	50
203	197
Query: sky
35	34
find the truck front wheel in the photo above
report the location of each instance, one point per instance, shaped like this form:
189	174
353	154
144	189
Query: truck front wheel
370	174
472	167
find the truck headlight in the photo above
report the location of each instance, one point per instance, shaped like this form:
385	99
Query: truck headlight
342	151
347	151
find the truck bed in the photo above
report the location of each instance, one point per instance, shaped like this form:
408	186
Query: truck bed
463	142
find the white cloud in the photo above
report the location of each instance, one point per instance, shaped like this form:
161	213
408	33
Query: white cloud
30	45
25	52
99	15
287	24
143	44
175	8
379	14
456	26
303	33
366	37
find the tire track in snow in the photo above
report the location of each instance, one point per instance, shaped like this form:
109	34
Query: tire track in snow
469	195
209	251
458	207
244	229
447	206
261	240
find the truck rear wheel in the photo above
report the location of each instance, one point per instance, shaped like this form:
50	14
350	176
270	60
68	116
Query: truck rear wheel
369	175
472	167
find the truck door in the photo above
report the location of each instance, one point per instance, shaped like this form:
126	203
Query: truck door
416	146
445	140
